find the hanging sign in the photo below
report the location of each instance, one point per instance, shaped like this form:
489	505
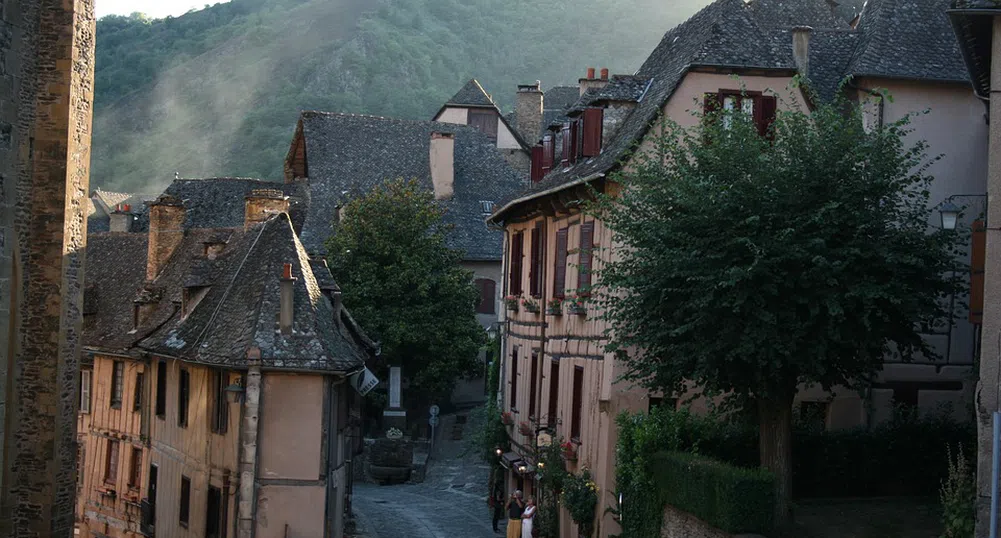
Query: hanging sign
364	381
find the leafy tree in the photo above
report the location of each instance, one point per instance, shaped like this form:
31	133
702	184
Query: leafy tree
751	265
406	287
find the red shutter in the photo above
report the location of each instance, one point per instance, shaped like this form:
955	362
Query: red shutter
764	114
566	144
547	153
593	118
537	171
978	252
584	258
517	242
560	271
534	274
574	141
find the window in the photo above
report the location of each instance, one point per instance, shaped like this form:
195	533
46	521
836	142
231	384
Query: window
593	120
220	411
578	394
760	107
183	390
536	261
584	258
213	514
117	380
533	385
554	392
513	401
161	389
485	120
135	468
137	396
486	207
111	462
86	377
185	509
560	270
488	300
517	251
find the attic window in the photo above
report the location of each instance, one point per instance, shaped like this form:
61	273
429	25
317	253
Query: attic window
487	207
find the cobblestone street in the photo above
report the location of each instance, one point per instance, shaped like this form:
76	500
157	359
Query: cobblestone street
451	502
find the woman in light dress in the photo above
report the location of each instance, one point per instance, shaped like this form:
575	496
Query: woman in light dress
527	517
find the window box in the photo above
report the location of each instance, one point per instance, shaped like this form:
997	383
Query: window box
511	302
577	305
554	307
531	305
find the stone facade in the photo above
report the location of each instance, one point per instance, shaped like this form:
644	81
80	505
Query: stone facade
46	95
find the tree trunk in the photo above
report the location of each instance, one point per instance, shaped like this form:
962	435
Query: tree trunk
775	416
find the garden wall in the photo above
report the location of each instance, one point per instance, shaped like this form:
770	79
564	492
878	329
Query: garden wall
680	524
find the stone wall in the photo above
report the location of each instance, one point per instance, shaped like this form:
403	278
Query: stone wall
678	524
46	96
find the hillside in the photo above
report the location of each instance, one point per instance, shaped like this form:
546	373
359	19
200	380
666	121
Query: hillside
217	91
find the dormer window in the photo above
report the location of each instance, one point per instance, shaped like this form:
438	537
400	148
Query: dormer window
486	207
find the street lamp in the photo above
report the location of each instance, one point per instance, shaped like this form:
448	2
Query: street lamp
950	214
499	451
234	392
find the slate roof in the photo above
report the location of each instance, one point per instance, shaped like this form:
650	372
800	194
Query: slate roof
115	272
349	154
757	34
472	94
101	203
972	23
221	202
560	97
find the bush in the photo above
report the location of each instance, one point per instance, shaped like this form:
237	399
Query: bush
730	498
959	498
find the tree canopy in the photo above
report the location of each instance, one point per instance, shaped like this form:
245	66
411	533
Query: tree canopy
405	286
751	265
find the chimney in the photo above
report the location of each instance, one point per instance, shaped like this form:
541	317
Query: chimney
262	204
166	231
590	81
801	49
120	219
442	160
285	304
528	110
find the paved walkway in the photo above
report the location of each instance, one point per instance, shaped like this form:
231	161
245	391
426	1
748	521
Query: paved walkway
450	503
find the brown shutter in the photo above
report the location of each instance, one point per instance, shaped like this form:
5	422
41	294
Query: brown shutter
111	465
484	120
593	118
560	270
574	141
585	257
566	144
764	114
517	242
513	401
978	252
487	289
554	393
533	264
537	171
533	385
547	153
578	394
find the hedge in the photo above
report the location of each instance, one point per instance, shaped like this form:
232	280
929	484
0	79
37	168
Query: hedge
730	498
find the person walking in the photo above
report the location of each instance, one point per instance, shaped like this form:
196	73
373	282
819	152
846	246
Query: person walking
514	509
497	503
528	518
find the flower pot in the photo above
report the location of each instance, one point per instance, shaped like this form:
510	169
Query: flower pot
578	310
532	309
554	311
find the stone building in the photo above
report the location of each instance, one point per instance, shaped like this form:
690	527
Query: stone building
46	97
216	398
557	378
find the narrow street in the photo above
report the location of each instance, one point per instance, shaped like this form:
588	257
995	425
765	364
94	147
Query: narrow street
451	502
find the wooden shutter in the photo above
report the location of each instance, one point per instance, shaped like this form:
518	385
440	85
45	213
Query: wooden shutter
517	245
567	141
513	401
560	270
487	289
137	393
117	378
554	393
978	255
585	258
593	118
533	385
764	114
484	120
578	395
183	390
547	154
574	141
111	465
135	468
537	171
161	389
535	270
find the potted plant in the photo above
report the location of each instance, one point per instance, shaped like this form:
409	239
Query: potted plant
525	428
511	301
507	419
569	451
555	306
531	305
578	305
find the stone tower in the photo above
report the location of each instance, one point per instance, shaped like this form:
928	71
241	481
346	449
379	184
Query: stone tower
46	99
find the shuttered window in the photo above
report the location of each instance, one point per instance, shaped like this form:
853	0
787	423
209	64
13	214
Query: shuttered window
86	377
111	462
567	147
161	389
137	393
578	395
220	407
117	380
183	392
484	120
513	401
488	298
762	108
554	393
517	251
185	509
560	268
135	468
585	257
535	269
593	118
533	385
547	153
574	141
537	172
978	252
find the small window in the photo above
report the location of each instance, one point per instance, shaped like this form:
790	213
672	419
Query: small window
183	390
85	384
487	207
185	509
117	380
111	463
161	389
137	395
220	414
213	514
135	468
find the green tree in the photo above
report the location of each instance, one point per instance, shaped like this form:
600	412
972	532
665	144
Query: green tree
404	284
751	265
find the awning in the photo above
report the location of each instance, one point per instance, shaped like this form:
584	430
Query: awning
511	460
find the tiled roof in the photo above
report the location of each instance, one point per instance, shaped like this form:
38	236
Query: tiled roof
115	272
757	34
472	94
350	154
220	202
560	97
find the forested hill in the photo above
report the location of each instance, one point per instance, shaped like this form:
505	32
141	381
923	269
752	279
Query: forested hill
217	92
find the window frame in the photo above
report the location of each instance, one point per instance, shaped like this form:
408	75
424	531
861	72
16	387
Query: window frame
117	384
111	457
220	407
135	468
86	389
137	393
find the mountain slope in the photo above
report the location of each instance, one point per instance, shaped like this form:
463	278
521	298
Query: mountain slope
217	92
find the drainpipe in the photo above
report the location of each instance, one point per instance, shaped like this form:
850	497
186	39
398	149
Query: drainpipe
247	464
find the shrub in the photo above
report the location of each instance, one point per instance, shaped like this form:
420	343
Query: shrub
580	497
730	498
959	497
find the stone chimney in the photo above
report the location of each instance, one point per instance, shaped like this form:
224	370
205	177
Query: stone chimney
262	204
443	164
166	231
120	219
286	305
590	81
528	109
801	49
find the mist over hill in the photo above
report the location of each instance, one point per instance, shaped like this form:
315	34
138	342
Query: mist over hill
217	92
